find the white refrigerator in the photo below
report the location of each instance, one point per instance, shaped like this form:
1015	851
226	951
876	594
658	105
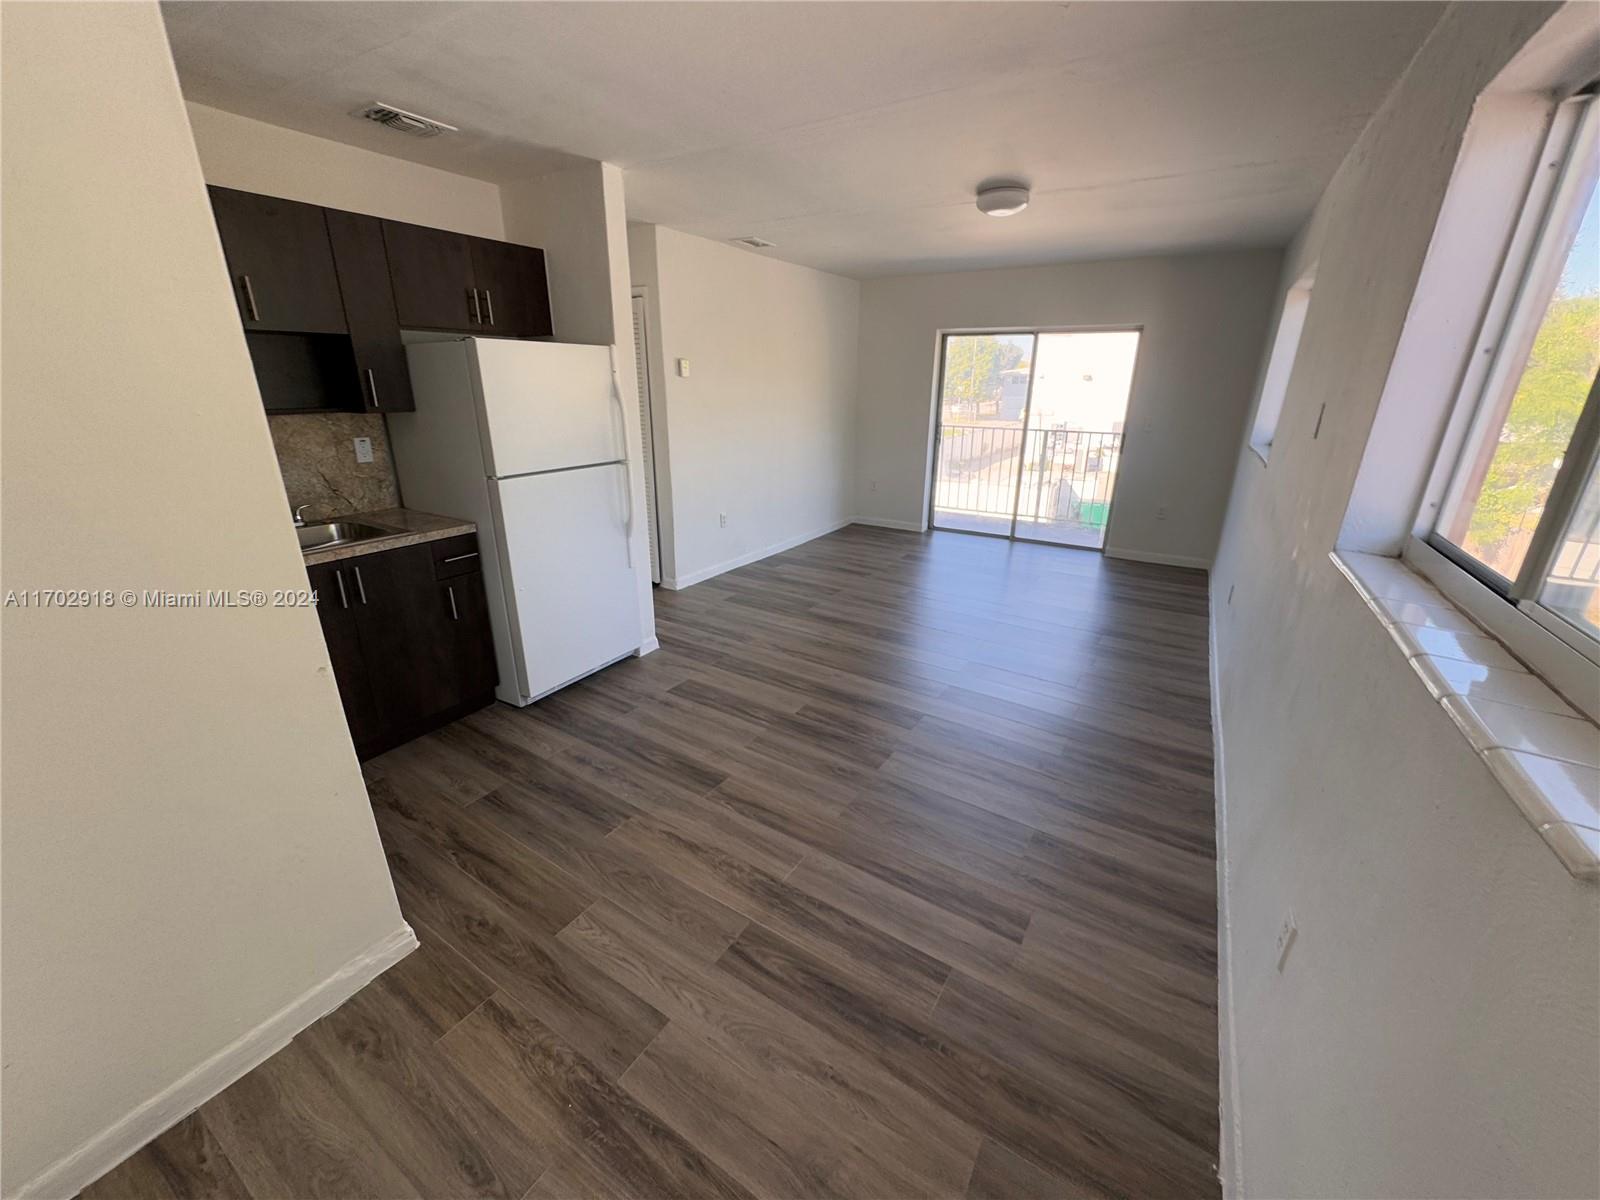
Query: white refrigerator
528	440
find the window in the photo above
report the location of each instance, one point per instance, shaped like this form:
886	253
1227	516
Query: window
1280	363
1521	512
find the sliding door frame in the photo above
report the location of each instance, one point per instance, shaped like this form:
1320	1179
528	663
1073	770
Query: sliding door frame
930	481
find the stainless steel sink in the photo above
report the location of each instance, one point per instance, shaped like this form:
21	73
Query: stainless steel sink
337	533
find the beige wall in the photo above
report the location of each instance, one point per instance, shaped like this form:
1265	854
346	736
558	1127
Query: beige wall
253	156
189	854
762	427
1433	1031
1204	318
564	212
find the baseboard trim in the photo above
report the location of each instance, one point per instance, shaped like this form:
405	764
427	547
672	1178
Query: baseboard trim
648	646
1166	560
678	582
71	1174
1230	1151
888	523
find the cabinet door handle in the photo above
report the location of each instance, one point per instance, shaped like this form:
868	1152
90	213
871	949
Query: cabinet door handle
361	588
488	299
477	308
454	614
372	382
344	599
250	298
462	557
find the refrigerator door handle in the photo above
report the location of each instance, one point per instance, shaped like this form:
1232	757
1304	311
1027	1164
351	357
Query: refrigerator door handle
622	454
627	492
622	412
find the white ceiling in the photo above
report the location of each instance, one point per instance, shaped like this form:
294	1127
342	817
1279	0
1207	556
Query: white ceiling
850	134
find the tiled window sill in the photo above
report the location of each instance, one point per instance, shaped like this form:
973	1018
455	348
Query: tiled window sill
1541	750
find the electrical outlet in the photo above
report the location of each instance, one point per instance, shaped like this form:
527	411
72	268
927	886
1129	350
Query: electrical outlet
1287	932
722	520
363	449
873	486
683	368
1161	513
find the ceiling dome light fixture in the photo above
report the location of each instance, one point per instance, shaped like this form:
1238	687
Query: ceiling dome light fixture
1002	199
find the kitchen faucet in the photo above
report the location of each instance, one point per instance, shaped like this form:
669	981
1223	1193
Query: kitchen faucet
299	515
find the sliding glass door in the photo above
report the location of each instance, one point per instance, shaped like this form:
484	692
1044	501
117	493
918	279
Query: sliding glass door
1030	433
983	404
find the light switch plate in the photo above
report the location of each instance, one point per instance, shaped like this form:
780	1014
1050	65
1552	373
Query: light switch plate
683	368
363	449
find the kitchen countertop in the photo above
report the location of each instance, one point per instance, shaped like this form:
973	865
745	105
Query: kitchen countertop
410	528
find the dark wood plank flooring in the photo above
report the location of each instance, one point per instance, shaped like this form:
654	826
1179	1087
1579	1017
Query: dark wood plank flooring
890	875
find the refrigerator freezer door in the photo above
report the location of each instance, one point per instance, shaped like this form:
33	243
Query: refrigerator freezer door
546	406
573	592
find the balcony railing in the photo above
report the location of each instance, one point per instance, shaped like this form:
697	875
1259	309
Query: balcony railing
1045	476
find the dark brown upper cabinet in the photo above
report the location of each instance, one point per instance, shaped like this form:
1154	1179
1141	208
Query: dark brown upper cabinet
324	294
362	263
431	270
281	263
465	284
511	281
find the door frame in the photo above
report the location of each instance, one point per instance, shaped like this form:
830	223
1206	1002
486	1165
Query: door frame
650	433
941	338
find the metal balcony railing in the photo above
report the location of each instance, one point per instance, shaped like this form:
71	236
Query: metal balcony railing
1060	476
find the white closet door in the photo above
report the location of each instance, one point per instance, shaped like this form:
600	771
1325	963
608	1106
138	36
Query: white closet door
641	372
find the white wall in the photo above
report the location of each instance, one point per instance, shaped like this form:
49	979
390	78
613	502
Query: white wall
253	156
762	427
577	215
1204	318
565	213
1433	1032
191	869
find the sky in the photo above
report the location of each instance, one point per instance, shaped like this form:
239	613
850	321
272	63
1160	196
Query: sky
1581	275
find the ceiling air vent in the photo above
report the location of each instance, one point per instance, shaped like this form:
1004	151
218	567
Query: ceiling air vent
754	243
405	122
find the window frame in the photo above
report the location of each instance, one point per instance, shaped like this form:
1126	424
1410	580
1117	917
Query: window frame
1563	654
931	466
1285	351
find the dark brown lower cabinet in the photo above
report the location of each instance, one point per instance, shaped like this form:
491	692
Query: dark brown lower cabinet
471	646
411	650
344	651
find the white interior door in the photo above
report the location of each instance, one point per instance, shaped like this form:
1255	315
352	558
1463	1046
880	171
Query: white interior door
570	572
641	366
547	405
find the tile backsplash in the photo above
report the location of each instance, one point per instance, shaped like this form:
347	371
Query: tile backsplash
318	459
